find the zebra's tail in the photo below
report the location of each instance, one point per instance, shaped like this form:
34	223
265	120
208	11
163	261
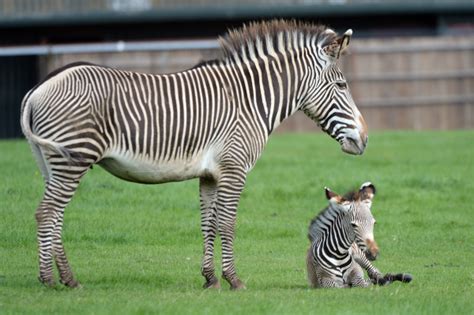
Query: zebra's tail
25	123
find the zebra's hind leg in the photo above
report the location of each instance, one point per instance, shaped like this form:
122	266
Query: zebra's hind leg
230	186
208	195
331	281
356	277
61	185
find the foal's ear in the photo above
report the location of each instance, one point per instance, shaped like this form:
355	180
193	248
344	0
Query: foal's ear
338	45
332	196
367	191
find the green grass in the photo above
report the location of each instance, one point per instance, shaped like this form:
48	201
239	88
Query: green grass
137	249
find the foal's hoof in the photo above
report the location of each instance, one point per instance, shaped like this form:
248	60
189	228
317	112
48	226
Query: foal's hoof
381	281
212	284
237	285
406	277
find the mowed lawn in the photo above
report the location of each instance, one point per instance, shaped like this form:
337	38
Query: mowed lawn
137	248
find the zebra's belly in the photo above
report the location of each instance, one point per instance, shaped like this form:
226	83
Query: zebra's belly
154	172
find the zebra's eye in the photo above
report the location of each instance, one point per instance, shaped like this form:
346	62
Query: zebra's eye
341	85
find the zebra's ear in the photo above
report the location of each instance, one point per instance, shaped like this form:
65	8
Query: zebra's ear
332	196
367	191
338	45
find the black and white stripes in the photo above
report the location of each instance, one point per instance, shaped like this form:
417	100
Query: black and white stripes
211	122
341	238
342	243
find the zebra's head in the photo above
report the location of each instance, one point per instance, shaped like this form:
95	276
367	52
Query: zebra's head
360	221
329	101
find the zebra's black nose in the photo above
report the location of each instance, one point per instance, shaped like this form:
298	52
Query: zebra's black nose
371	256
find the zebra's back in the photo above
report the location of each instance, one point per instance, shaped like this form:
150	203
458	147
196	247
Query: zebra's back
140	127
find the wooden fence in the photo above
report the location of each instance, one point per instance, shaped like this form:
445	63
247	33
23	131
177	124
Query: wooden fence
402	83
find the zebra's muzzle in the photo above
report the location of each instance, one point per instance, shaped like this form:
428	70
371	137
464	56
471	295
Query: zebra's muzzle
370	256
372	251
353	146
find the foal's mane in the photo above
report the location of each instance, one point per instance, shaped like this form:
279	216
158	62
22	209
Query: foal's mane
328	212
272	35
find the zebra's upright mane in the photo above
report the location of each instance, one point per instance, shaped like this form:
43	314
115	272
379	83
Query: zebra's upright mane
328	214
272	36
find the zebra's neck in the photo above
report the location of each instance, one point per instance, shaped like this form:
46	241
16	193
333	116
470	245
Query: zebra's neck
270	88
343	231
334	226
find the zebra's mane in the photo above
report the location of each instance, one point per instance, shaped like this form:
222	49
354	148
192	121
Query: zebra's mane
328	214
272	36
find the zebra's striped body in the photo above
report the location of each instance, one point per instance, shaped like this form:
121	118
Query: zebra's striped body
342	240
211	122
339	235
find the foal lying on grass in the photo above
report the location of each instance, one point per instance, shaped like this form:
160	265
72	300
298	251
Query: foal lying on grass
342	243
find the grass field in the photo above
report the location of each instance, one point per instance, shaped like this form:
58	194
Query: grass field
137	249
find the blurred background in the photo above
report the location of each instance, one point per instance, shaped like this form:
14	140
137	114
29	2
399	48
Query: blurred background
411	64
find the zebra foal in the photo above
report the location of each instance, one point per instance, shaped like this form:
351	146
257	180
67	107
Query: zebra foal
210	122
342	243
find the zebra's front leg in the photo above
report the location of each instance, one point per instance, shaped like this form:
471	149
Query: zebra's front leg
374	274
208	195
230	186
49	218
389	278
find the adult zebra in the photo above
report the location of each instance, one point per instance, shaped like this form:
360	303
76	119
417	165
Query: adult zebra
210	122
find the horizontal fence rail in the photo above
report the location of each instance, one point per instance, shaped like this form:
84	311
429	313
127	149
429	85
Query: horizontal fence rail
413	101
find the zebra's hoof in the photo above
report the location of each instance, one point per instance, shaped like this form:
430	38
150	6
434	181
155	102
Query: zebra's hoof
237	285
406	278
73	284
49	283
212	284
381	281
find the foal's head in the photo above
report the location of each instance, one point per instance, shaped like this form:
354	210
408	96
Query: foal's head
360	220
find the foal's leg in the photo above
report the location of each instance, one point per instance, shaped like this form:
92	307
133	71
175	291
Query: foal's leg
208	195
326	280
402	277
356	277
359	256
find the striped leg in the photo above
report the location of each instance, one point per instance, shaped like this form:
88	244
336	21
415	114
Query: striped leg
403	277
230	187
208	194
359	256
326	280
49	218
65	272
356	277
